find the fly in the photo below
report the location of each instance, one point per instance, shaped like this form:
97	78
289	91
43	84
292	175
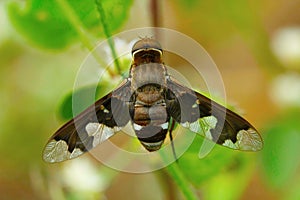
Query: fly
152	101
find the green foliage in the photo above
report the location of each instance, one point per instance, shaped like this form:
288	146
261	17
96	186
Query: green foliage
233	17
45	23
189	4
79	100
199	170
280	157
223	174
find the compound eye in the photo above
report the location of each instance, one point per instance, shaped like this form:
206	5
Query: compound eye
149	53
146	43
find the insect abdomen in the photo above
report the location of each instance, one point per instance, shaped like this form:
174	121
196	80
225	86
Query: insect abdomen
150	118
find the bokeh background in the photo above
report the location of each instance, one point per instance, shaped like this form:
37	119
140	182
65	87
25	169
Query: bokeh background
255	44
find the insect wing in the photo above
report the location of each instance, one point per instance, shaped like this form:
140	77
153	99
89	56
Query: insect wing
210	119
91	127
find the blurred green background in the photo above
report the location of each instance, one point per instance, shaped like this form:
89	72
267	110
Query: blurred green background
255	44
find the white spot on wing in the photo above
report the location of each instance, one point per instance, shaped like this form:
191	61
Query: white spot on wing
100	132
116	128
137	127
103	134
195	127
208	123
185	124
76	152
165	125
248	140
105	110
56	151
202	126
92	128
230	144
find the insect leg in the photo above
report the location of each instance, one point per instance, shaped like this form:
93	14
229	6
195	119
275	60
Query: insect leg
171	138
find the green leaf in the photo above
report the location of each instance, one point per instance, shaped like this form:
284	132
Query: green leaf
189	4
77	101
44	23
280	156
230	185
198	170
222	174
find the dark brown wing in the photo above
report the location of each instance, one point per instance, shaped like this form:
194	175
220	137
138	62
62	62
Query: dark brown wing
91	127
210	119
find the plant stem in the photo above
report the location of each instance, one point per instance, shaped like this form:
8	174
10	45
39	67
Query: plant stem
173	169
155	14
79	28
108	35
182	183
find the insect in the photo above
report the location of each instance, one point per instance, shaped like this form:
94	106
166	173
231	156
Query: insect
152	101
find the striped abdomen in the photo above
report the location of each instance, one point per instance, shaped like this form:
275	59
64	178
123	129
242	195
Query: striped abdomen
150	119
